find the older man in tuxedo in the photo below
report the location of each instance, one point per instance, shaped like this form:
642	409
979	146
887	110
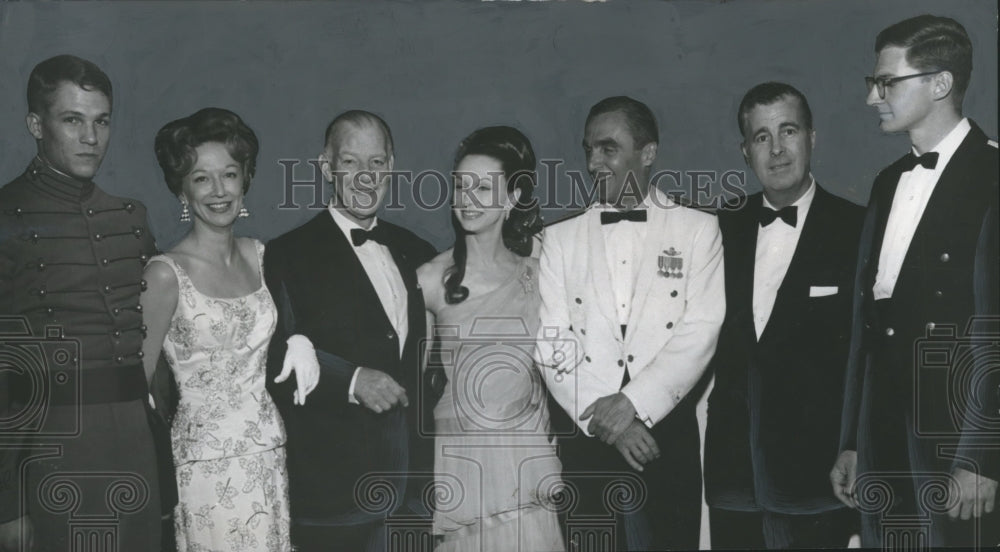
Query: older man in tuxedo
919	441
774	412
632	301
345	282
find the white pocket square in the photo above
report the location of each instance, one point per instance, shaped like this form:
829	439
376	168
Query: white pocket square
822	291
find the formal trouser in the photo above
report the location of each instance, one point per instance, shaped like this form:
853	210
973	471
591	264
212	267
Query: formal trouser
747	530
611	507
368	537
903	473
100	486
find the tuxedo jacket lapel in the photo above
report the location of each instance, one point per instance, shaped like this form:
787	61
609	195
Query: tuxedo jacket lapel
599	271
648	260
744	255
342	257
794	287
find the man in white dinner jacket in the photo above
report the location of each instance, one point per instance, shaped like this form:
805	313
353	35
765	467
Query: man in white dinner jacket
632	302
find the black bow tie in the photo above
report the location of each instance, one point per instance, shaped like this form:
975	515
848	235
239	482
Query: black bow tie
788	214
927	161
611	217
377	234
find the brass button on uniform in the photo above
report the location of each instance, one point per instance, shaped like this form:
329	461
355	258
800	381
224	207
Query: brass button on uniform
945	257
938	293
930	325
390	335
890	332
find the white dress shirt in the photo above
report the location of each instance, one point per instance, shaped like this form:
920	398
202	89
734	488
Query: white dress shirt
622	246
776	244
912	194
385	278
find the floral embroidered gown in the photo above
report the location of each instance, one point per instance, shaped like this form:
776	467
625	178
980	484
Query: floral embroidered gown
228	439
495	465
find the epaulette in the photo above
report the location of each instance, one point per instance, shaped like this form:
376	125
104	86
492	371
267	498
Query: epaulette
991	143
680	199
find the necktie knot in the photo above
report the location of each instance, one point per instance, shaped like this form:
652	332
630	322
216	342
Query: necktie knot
790	215
928	161
360	236
611	217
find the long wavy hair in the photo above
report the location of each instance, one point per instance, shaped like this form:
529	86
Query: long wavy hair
513	151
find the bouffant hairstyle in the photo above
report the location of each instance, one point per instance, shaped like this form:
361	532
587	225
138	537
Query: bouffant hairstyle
176	143
513	151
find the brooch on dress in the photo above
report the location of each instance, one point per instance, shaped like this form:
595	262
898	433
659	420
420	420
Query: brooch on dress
527	278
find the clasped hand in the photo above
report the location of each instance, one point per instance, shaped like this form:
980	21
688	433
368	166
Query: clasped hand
377	391
610	416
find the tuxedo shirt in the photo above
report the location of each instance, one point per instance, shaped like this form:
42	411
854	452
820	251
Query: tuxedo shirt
384	276
776	244
622	245
912	194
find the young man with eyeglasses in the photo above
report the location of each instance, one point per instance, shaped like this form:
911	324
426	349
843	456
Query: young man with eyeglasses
919	432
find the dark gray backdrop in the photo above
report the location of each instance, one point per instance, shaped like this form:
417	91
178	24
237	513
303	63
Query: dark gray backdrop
438	70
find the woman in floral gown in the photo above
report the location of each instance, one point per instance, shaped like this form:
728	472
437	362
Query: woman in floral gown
207	308
495	465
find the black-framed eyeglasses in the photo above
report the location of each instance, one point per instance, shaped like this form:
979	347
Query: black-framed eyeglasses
881	83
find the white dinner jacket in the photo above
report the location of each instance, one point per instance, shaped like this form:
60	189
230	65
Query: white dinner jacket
674	322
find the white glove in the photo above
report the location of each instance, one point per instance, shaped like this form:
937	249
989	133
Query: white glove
300	357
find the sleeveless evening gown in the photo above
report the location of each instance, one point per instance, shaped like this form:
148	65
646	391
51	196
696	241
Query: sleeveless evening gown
495	465
228	439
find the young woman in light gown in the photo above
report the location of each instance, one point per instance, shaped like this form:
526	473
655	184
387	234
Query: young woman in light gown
495	464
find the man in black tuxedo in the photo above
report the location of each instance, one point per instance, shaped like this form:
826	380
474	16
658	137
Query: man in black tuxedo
346	281
774	413
921	420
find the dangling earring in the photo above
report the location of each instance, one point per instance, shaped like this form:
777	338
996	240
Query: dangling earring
185	212
243	212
